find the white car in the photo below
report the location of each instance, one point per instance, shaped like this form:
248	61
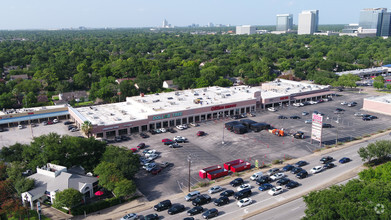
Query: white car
55	120
277	176
194	124
130	216
316	169
244	202
276	190
244	186
358	114
180	139
163	130
152	156
296	104
20	126
344	103
215	189
164	164
272	109
149	152
180	127
313	102
308	121
149	166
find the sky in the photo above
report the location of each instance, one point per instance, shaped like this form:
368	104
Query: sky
56	14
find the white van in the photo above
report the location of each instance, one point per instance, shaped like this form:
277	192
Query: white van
192	195
256	176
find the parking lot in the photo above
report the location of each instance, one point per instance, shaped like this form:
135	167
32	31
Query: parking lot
209	150
263	146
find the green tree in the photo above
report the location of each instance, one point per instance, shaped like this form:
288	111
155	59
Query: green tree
389	86
29	100
109	175
6	100
378	82
123	159
68	198
347	80
223	82
86	127
23	185
124	188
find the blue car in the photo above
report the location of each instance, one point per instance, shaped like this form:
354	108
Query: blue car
288	168
344	160
265	186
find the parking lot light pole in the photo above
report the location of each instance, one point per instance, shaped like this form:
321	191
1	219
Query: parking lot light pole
338	121
189	163
222	142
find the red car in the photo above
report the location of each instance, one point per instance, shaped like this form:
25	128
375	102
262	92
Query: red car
133	149
166	140
141	145
156	170
50	122
200	133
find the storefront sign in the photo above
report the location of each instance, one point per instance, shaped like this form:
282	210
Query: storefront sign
284	98
219	107
317	122
159	117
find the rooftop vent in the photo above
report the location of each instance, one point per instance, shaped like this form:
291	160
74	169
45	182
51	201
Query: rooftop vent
157	100
169	98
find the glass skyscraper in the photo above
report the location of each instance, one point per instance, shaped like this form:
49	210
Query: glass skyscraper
386	24
284	22
372	18
308	22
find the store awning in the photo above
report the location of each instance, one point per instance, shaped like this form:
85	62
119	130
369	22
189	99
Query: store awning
312	95
33	117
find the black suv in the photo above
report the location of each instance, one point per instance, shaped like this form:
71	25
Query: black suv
163	205
302	174
221	201
243	194
210	213
201	200
326	159
196	210
296	170
227	193
329	165
262	180
283	181
236	182
176	209
301	163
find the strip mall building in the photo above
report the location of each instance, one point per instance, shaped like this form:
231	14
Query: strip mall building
145	112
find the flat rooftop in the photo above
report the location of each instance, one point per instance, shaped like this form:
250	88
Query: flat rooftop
282	87
384	99
139	108
27	110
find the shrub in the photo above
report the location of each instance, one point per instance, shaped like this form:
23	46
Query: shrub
276	161
96	206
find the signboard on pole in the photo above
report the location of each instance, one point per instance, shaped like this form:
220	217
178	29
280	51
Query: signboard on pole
317	122
256	164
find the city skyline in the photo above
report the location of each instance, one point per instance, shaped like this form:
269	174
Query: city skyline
47	14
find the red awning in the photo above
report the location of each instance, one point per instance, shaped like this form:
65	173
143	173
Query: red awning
312	95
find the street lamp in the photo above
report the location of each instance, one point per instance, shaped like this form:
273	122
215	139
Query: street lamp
338	121
222	142
189	163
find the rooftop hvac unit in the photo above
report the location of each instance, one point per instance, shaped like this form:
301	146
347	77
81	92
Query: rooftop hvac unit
89	113
96	117
112	114
222	96
157	100
205	90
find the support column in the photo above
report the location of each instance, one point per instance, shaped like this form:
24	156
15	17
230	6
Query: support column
116	133
104	135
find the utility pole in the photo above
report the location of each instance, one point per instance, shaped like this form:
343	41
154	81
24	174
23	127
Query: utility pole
222	142
189	163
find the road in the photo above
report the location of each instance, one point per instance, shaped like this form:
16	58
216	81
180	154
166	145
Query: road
291	210
262	200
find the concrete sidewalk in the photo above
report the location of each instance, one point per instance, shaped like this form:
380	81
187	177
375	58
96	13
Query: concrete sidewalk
53	213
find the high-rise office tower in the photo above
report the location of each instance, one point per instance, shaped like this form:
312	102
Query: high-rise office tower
165	23
386	25
372	18
245	29
284	22
308	22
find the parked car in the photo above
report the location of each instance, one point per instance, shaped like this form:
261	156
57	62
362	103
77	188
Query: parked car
125	138
130	216
263	179
210	213
68	122
221	201
194	124
181	127
244	202
243	186
272	171
180	139
358	114
133	150
201	200
195	210
164	164
294	117
316	169
366	119
227	193
329	165
242	194
344	103
200	133
117	139
163	205
304	113
143	135
302	174
325	125
277	176
175	145
141	146
344	160
192	195
372	117
256	175
283	181
282	117
20	126
163	130
171	130
272	109
215	189
176	209
236	182
149	166
149	152
152	156
276	190
296	170
153	216
308	121
265	186
292	184
326	159
166	140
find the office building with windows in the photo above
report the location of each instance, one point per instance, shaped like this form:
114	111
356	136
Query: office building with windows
284	22
385	30
245	29
308	22
372	18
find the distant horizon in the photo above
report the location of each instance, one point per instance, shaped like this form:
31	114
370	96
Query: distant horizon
66	14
